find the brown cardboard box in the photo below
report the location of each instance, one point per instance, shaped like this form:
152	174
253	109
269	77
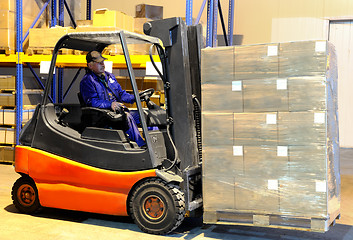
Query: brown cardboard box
265	95
307	93
253	194
218	193
303	58
217	65
265	162
138	24
307	162
107	18
302	128
255	129
149	11
256	61
306	198
7	82
220	161
217	129
46	37
219	97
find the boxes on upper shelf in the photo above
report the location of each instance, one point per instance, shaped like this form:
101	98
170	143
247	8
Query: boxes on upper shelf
149	11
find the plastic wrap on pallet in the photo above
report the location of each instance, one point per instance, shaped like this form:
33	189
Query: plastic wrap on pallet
278	163
265	95
255	129
256	61
305	58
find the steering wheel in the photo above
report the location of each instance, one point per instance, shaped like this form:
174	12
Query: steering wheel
146	94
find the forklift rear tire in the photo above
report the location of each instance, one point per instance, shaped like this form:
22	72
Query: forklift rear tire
25	195
157	207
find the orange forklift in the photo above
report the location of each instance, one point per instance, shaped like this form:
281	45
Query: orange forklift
68	160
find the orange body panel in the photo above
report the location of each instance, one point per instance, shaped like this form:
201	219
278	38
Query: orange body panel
67	184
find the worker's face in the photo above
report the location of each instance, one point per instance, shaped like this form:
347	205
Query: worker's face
96	67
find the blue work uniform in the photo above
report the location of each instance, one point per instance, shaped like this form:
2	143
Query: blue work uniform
100	92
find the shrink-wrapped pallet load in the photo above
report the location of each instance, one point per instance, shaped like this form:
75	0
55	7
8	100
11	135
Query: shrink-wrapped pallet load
270	135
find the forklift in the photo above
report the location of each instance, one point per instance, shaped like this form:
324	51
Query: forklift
67	159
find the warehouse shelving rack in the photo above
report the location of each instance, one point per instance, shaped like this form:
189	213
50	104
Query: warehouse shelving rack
20	60
213	7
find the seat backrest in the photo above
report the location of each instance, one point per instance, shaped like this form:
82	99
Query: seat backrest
80	99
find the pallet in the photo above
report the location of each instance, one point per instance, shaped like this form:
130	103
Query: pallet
6	51
270	220
48	51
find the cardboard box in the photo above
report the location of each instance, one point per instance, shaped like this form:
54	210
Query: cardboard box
138	24
149	11
217	65
257	194
7	154
30	97
303	58
255	129
307	162
7	82
306	198
308	93
107	18
218	193
231	165
46	37
302	128
10	137
217	129
265	162
256	61
265	95
220	97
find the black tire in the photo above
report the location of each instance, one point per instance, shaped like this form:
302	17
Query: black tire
25	195
157	207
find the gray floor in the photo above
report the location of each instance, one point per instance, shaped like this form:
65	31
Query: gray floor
61	224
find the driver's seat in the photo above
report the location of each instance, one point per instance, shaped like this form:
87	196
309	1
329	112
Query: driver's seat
101	118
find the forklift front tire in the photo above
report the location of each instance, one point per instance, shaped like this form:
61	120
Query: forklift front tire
157	207
25	195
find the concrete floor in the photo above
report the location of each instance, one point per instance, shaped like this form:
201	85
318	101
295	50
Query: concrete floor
61	224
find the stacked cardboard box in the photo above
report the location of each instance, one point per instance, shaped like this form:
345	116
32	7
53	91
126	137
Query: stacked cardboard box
270	133
30	8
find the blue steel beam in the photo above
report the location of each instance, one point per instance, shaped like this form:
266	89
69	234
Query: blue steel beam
88	10
60	70
53	23
19	69
200	12
188	14
209	30
230	22
215	18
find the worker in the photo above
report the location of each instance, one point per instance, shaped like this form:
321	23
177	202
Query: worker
100	89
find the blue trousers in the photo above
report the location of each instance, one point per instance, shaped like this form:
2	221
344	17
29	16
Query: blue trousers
133	119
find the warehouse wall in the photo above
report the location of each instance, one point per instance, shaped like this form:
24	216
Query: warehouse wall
284	20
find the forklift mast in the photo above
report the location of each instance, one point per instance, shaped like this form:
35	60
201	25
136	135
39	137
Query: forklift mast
182	46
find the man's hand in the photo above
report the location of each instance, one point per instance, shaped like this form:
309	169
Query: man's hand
116	106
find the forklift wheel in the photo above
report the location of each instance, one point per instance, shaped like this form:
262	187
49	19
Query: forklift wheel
157	207
25	195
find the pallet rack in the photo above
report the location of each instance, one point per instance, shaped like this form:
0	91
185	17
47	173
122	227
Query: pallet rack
19	59
213	8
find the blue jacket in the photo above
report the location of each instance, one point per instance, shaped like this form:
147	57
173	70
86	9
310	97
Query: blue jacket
95	94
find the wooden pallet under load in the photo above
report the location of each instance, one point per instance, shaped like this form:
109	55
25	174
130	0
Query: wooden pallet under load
48	51
270	220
